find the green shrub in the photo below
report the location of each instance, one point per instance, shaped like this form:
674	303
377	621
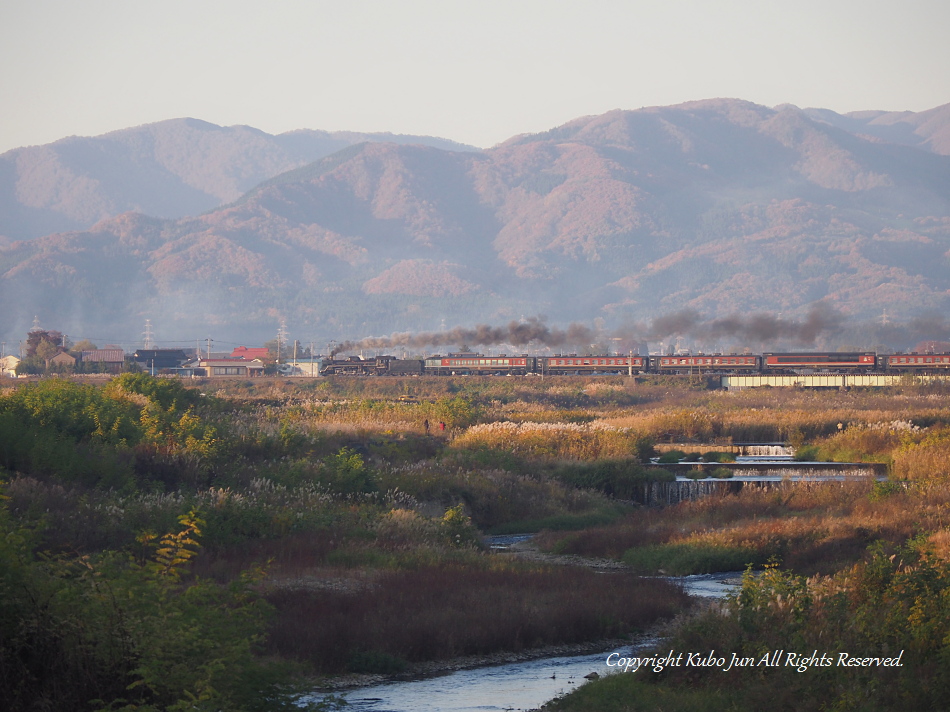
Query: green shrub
346	473
807	453
108	632
672	457
623	479
684	559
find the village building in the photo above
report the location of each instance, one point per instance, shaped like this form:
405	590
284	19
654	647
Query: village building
230	367
159	359
249	354
8	366
62	359
110	360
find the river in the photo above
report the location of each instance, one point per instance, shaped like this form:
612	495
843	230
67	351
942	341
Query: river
522	685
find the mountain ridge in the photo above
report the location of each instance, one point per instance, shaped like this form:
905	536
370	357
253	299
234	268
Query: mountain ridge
720	206
169	169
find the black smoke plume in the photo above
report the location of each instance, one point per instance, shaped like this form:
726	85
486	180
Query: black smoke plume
905	335
758	328
516	333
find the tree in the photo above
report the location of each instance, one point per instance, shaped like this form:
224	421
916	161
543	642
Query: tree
84	345
41	336
46	350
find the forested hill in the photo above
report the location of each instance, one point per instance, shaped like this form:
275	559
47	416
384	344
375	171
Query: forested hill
168	169
722	206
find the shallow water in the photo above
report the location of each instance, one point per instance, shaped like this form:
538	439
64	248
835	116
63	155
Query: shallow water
514	686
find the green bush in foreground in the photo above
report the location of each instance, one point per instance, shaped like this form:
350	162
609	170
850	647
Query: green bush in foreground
892	604
112	633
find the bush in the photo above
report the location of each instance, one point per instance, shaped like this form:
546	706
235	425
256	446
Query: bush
689	558
346	473
623	479
672	457
105	632
807	453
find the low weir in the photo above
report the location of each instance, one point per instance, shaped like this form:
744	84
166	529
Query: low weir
686	489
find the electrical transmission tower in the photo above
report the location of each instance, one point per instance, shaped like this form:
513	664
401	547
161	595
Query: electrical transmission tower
281	337
149	336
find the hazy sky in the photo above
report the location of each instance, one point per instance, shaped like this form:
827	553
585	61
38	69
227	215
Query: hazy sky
477	72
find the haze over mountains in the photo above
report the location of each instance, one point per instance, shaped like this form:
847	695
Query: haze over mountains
169	169
721	206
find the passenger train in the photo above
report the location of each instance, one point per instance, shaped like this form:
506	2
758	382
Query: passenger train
468	364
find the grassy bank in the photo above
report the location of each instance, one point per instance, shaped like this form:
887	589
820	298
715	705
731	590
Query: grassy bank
304	520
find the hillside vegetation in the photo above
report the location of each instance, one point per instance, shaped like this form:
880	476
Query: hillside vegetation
721	206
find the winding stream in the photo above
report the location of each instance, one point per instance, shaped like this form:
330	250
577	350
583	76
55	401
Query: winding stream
522	685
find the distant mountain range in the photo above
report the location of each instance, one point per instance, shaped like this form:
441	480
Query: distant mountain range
169	169
720	206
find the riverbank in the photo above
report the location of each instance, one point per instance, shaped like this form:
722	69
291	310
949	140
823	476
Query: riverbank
527	551
438	668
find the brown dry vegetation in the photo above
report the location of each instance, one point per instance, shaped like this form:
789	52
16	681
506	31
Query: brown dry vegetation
369	529
807	528
435	613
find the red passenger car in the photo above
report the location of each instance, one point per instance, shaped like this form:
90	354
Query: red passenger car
471	364
916	363
707	363
559	364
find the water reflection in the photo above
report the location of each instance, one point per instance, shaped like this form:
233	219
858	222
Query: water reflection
516	686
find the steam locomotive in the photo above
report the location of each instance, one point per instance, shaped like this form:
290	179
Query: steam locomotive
470	364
